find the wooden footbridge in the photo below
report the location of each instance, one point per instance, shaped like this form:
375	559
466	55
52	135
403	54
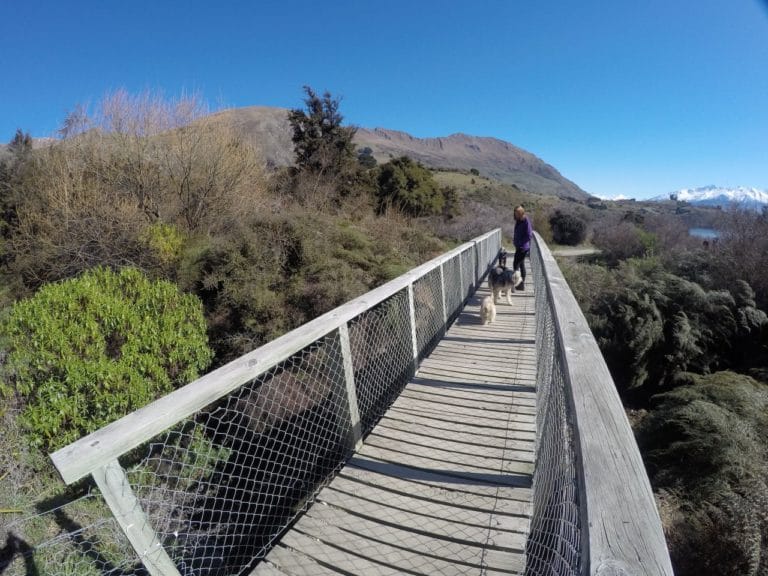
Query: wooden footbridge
393	435
442	485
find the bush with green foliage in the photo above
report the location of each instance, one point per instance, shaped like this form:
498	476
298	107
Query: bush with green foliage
164	242
366	159
567	229
652	325
704	447
409	187
86	351
268	276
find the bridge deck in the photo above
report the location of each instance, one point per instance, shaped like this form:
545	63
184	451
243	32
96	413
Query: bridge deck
442	484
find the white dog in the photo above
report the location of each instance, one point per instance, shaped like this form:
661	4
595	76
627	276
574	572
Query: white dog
487	310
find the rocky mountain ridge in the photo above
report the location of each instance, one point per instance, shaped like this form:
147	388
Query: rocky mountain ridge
491	157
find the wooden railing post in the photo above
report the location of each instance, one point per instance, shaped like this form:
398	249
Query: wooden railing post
442	294
412	316
127	510
349	381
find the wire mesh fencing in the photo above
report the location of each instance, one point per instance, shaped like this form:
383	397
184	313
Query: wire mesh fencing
429	312
220	487
553	545
469	274
382	356
210	494
454	297
80	538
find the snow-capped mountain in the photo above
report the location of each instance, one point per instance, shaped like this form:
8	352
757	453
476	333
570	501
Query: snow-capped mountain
743	197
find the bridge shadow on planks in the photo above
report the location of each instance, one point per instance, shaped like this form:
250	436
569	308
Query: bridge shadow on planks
440	476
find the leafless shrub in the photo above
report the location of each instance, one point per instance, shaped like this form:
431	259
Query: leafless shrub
742	251
475	218
620	241
69	220
135	162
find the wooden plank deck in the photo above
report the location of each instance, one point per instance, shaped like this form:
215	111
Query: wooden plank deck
442	485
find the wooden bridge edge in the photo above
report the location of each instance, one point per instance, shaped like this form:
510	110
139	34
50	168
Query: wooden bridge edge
621	527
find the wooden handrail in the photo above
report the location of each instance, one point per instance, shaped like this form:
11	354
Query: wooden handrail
621	528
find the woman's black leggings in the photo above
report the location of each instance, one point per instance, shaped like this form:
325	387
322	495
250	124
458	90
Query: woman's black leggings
519	261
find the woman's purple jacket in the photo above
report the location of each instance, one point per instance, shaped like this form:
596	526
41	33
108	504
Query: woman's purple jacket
523	233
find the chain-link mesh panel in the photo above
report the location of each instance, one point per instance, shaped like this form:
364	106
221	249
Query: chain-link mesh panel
218	488
382	356
454	300
428	309
553	542
469	271
480	260
80	538
492	250
487	248
545	343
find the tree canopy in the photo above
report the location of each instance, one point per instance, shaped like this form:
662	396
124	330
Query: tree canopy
410	187
321	144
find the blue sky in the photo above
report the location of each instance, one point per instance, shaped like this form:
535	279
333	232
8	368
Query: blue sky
623	97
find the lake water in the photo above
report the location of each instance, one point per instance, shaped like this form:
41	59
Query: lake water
708	233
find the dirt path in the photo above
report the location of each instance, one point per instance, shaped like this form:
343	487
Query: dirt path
573	251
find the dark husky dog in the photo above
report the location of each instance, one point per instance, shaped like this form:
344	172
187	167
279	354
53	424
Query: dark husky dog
503	279
503	257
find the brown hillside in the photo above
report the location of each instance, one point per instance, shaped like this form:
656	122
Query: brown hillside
492	157
267	128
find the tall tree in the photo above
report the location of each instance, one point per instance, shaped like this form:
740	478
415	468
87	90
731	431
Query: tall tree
321	144
21	142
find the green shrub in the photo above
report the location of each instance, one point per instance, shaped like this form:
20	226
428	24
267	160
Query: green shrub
410	187
240	279
652	325
84	352
567	229
704	447
164	242
366	159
